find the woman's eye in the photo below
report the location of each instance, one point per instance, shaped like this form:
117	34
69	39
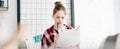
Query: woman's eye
58	17
62	17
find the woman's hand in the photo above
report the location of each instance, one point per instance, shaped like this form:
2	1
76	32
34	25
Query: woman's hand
55	42
56	38
78	27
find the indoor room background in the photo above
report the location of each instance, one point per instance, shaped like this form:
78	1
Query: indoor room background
97	19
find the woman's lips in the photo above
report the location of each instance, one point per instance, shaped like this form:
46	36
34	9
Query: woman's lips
59	23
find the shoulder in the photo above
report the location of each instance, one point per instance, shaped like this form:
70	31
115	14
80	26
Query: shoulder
49	30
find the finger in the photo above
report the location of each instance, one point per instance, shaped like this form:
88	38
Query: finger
78	27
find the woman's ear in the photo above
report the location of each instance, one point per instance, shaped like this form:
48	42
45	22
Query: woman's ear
53	16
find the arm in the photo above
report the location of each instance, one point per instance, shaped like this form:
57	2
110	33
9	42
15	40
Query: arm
44	45
53	45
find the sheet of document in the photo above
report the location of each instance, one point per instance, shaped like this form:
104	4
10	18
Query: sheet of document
69	38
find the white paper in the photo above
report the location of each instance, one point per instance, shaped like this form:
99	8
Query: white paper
69	38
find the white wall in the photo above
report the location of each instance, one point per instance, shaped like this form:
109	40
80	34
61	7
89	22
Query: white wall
8	21
97	21
117	15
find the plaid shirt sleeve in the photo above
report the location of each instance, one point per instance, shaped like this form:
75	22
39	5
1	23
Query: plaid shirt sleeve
48	38
46	42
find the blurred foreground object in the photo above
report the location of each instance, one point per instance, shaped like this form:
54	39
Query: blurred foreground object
17	40
111	42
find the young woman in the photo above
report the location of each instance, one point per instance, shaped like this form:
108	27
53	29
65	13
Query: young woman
51	35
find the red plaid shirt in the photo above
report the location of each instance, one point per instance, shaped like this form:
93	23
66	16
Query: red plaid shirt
48	36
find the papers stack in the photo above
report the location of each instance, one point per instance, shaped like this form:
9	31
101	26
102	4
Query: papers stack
69	38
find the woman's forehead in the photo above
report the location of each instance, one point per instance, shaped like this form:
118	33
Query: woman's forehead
60	13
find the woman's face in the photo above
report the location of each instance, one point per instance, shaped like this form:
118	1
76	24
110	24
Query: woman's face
59	17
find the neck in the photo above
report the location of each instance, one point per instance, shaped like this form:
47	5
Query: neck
58	25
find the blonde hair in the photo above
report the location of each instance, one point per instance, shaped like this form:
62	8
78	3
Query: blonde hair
59	6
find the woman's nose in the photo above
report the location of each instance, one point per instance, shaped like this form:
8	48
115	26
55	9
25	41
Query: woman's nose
60	20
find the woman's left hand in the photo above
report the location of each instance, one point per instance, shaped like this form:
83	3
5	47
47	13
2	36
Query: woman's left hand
56	38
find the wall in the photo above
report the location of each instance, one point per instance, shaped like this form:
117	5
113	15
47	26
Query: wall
8	22
117	15
97	21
